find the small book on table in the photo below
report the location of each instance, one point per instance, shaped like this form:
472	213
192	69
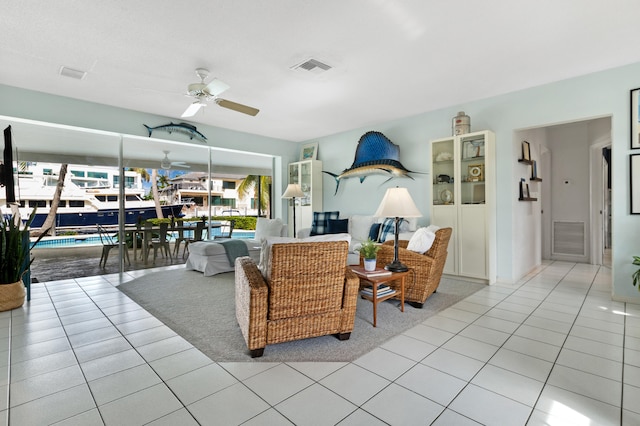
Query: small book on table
378	272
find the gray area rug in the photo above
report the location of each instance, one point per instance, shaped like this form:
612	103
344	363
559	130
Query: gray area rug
202	311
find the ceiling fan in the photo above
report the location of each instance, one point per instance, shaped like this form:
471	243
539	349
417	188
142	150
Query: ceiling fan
209	92
166	163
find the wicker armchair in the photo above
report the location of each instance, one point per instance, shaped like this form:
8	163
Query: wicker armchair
427	267
310	292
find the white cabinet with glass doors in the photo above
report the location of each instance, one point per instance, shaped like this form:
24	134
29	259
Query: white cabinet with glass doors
463	197
307	173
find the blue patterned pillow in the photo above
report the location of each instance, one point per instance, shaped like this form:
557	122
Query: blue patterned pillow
388	227
320	222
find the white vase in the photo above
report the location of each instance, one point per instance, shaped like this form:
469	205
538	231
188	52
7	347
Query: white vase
369	264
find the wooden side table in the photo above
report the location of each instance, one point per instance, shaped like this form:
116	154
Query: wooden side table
375	282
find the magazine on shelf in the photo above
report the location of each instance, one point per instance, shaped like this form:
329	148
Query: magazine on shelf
378	272
382	291
378	294
382	288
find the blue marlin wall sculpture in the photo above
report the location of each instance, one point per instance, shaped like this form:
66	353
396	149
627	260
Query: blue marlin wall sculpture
184	128
375	155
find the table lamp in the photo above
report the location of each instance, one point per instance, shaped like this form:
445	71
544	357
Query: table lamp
397	203
293	191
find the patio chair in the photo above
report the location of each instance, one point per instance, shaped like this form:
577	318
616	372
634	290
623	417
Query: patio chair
427	267
226	229
308	291
180	238
160	242
197	236
108	243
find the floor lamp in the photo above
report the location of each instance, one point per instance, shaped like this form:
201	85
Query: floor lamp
397	203
293	191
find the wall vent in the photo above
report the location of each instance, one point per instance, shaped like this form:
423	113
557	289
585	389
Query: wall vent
568	238
312	65
72	73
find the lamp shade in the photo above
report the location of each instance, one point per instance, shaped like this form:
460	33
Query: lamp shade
293	191
397	202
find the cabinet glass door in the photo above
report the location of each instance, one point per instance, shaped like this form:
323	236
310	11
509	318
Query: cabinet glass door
305	183
472	172
293	173
443	172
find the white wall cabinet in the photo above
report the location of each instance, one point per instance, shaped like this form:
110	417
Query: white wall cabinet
307	173
463	197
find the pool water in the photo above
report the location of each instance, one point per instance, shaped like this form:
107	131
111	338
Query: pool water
94	240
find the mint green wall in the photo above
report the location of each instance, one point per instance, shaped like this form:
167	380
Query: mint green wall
595	95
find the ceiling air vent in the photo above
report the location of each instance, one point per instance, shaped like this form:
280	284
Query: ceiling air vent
312	65
72	73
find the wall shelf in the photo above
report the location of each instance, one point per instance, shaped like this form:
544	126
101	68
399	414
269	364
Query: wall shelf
535	179
527	199
522	160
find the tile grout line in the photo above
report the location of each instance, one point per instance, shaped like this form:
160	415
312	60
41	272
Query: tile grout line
138	352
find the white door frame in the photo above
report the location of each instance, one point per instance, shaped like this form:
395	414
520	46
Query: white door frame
545	201
596	195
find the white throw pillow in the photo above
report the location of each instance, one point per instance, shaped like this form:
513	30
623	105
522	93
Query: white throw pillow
265	253
268	228
421	240
360	225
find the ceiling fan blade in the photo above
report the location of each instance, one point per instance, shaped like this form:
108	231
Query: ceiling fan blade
192	109
237	107
180	164
215	87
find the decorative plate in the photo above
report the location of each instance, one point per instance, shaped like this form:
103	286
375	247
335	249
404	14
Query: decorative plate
446	196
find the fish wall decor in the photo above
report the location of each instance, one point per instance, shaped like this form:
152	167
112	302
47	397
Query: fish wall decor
184	128
375	155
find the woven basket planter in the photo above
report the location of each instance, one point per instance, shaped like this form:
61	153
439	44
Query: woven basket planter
11	295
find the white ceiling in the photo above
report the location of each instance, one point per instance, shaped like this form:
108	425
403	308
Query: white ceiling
391	59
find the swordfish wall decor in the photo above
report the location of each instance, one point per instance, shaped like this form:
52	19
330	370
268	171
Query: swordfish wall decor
375	155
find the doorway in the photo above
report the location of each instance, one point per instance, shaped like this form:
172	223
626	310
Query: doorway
575	192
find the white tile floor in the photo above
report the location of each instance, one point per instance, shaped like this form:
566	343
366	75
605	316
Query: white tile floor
550	350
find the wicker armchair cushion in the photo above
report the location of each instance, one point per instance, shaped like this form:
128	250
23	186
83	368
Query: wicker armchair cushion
265	253
423	239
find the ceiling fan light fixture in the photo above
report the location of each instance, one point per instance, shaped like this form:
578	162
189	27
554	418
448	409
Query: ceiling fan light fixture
215	87
165	163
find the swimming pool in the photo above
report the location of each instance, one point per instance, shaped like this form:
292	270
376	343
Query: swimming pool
94	240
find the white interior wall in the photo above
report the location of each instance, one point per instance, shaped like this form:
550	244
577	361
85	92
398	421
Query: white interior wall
527	232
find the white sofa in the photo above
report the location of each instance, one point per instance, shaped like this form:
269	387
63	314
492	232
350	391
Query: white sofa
359	227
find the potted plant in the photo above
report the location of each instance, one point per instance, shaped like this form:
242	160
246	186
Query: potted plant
636	274
369	249
15	259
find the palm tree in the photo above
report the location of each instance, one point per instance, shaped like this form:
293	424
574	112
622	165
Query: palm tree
153	178
253	182
156	195
50	220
